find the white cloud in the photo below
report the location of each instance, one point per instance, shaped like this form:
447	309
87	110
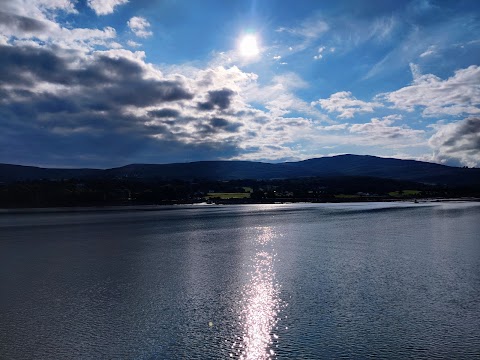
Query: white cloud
305	34
459	94
382	28
335	127
277	57
458	141
347	105
104	7
311	28
133	44
54	5
430	51
217	77
279	98
383	129
139	26
320	51
95	35
36	21
418	42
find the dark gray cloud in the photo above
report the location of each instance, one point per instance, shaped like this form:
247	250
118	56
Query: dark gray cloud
24	65
220	123
103	150
110	81
217	98
215	126
27	65
97	140
465	129
145	92
458	142
69	110
21	23
205	106
221	98
48	103
164	113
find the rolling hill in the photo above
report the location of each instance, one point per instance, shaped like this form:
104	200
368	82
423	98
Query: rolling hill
341	165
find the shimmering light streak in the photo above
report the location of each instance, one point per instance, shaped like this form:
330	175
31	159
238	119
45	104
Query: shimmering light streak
262	304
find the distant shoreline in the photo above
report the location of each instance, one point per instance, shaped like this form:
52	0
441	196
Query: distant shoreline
172	205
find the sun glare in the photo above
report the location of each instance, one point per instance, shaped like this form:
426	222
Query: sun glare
249	46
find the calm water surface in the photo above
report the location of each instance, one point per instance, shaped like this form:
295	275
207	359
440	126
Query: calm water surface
293	281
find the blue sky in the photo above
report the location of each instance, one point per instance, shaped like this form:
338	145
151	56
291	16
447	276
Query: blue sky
103	83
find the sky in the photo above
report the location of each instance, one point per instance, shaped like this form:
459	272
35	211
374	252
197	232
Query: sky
105	83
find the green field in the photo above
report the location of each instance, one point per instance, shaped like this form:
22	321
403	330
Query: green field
228	195
346	196
404	193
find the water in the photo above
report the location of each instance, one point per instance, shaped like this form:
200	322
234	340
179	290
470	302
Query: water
293	281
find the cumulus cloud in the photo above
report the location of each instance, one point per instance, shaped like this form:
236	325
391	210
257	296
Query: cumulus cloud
459	94
102	95
457	142
139	26
67	6
35	22
279	98
20	24
384	130
346	104
104	7
112	80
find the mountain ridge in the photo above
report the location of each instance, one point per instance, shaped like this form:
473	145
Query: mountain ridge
339	165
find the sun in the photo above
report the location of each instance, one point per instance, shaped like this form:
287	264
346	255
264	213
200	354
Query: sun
249	46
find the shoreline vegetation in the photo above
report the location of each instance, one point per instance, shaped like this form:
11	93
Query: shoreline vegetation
74	193
170	206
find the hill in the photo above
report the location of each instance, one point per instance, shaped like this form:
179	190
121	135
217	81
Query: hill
335	166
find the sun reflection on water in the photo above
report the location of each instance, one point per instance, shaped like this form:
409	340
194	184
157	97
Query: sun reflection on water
261	302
